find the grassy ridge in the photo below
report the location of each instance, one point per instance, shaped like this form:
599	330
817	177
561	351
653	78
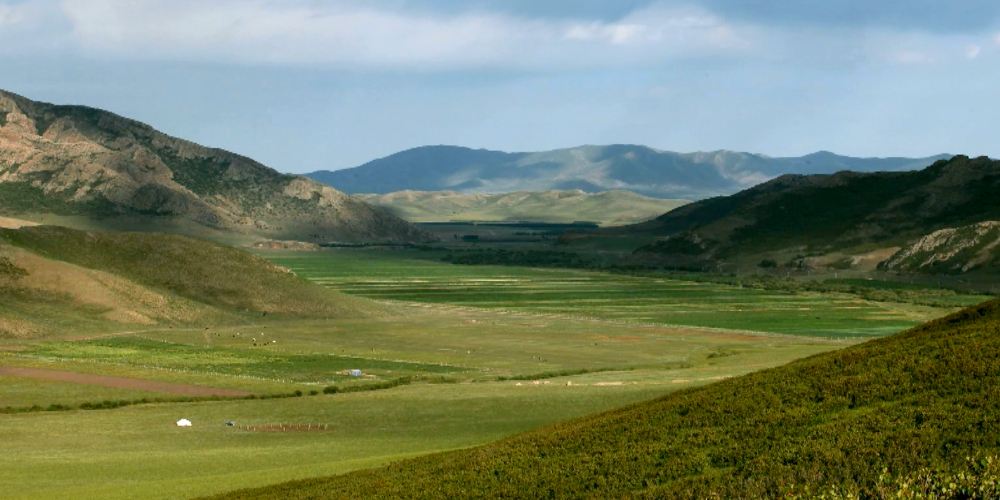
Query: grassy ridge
204	272
926	397
606	207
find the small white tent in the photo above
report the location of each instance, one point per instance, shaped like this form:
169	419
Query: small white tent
183	423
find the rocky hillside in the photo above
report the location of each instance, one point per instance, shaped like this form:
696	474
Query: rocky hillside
824	213
605	208
643	170
959	250
75	160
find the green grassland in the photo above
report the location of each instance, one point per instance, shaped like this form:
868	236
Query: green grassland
138	452
843	421
457	357
569	293
486	353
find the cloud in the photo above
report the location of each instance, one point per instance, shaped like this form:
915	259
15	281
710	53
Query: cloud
355	34
926	16
972	51
412	35
18	14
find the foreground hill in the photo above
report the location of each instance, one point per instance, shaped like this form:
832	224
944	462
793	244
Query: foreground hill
605	208
823	213
56	280
927	397
74	160
643	170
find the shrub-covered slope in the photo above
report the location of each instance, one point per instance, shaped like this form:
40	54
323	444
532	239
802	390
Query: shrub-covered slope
75	160
927	397
821	213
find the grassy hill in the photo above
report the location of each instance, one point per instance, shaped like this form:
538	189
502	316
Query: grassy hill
605	208
820	214
927	397
85	162
55	280
640	169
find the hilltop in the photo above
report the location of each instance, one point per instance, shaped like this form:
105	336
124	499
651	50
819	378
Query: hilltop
605	208
80	161
55	280
923	398
814	215
640	169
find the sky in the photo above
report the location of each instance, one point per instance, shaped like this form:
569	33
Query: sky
305	85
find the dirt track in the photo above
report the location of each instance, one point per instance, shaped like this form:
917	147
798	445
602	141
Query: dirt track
120	383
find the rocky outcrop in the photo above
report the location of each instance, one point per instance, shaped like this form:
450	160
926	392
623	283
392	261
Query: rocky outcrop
951	251
298	246
83	161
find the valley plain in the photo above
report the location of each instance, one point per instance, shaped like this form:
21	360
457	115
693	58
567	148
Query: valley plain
452	356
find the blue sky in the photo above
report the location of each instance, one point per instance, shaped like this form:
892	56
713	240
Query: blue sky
303	85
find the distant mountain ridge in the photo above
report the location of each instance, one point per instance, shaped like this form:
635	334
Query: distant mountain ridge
640	169
76	160
605	208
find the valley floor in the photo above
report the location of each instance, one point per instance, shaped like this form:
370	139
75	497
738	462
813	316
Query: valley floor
477	354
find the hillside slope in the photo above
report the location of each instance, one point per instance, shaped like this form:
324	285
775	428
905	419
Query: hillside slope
822	213
58	280
605	208
925	397
643	170
74	160
951	251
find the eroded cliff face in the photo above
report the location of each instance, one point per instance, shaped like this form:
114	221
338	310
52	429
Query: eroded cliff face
84	161
953	251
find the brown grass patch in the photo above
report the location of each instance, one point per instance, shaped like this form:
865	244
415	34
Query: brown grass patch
120	383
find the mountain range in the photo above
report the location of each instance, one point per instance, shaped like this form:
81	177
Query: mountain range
113	171
640	169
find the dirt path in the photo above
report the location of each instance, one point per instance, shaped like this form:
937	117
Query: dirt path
120	383
9	223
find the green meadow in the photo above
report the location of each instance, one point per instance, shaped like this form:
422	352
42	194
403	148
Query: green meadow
477	376
575	293
479	354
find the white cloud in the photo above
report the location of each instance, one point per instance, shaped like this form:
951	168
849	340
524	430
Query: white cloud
366	35
996	38
18	15
972	51
358	34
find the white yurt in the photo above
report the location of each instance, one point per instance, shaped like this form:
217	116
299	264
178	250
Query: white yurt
183	423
